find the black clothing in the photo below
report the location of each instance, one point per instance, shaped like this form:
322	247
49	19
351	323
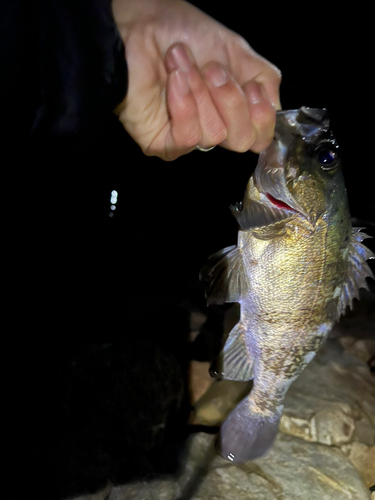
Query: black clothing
62	70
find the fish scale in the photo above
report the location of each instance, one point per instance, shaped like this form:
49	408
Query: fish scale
296	267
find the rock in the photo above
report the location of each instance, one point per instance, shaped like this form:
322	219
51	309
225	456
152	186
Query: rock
197	320
294	469
319	472
360	348
331	427
336	412
363	458
219	400
200	379
153	490
233	483
100	495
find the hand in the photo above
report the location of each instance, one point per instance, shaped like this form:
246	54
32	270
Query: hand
192	81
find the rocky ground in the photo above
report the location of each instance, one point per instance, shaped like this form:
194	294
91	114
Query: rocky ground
325	449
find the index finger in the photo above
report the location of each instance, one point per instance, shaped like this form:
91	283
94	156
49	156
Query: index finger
270	80
247	65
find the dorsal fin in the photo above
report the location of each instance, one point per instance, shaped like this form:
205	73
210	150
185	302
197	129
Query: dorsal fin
358	270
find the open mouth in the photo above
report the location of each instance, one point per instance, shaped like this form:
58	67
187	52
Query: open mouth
279	203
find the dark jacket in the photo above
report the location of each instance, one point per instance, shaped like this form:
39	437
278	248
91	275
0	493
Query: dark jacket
63	70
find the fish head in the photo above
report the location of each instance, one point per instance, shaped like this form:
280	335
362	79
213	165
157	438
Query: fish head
299	174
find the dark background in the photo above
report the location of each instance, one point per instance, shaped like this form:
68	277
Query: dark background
98	364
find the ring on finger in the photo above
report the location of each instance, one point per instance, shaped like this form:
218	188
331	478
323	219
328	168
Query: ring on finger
204	150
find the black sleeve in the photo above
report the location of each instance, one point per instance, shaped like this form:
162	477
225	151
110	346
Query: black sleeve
63	69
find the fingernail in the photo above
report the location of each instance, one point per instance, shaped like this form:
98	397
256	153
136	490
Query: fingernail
255	94
181	58
182	85
217	76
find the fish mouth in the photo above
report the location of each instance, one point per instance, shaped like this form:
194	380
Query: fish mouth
273	174
262	208
278	203
270	190
268	198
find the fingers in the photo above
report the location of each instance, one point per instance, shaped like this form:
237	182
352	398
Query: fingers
248	114
270	79
209	107
230	101
262	113
249	66
194	117
185	130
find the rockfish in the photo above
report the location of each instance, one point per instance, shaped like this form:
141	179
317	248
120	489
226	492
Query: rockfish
297	265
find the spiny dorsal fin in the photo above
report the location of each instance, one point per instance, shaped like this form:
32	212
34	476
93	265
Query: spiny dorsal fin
225	277
358	270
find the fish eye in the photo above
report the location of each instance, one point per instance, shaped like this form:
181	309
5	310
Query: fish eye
327	156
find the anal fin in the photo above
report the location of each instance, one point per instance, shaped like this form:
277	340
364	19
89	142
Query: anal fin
234	361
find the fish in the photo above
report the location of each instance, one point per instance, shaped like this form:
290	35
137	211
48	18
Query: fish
297	266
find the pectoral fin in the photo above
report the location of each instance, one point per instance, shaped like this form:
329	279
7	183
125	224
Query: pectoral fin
358	270
225	277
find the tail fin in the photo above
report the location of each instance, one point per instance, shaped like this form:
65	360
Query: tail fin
247	434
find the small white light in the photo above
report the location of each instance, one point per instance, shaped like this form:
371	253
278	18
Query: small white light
113	207
114	196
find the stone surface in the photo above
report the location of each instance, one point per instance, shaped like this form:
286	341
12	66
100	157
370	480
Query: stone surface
293	470
153	490
363	458
200	379
100	495
333	401
219	400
